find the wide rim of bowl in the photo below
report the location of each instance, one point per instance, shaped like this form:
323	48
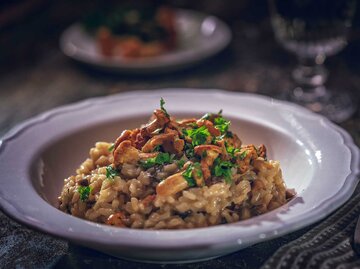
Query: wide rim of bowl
222	235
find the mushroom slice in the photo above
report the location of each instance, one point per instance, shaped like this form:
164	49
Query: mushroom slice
172	185
245	156
208	155
186	122
171	143
155	141
210	126
126	153
159	122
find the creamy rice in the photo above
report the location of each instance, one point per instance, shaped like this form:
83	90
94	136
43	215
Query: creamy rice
144	182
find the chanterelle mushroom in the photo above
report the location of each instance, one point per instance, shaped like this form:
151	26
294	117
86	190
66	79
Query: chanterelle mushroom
208	155
125	153
159	121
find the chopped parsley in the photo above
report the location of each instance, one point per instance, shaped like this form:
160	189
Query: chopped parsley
180	163
162	103
243	155
198	136
161	158
84	192
189	150
197	170
111	172
111	148
223	169
188	175
231	150
221	124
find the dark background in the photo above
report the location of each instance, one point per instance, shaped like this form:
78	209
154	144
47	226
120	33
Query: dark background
28	28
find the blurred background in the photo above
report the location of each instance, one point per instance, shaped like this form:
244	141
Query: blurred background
31	63
29	28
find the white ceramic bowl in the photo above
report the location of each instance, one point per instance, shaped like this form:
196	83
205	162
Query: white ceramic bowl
319	160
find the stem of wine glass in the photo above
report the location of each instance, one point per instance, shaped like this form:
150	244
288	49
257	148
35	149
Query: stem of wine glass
310	76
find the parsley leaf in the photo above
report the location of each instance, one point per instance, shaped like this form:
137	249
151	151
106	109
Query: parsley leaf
231	150
243	155
198	136
189	150
187	174
180	163
111	172
162	103
223	169
161	158
111	148
197	170
84	192
221	124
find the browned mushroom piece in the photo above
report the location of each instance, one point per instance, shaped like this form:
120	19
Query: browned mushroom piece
125	153
208	154
245	156
172	185
170	143
125	135
145	156
116	219
233	141
262	151
173	125
159	122
224	153
186	122
155	141
210	126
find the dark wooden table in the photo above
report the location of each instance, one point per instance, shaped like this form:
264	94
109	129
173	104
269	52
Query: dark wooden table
252	63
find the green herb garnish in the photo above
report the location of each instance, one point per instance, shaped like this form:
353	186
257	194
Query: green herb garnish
180	163
197	170
111	148
189	150
198	136
161	158
221	124
162	103
223	169
84	192
111	172
243	155
231	150
187	174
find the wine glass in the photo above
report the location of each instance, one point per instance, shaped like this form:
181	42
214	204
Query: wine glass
314	30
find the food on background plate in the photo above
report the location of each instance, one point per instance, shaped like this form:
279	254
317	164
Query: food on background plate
133	31
173	174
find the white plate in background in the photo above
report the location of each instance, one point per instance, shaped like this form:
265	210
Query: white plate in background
200	36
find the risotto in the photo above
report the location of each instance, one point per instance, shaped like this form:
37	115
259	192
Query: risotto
173	174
